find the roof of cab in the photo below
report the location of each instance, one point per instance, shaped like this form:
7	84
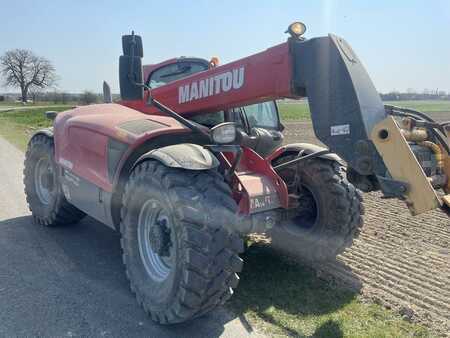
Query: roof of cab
147	69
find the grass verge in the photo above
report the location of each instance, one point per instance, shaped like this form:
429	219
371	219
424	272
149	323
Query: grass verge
283	298
33	104
17	126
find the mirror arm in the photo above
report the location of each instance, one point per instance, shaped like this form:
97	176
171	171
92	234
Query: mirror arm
176	116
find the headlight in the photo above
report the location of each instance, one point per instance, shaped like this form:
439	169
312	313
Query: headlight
296	29
224	133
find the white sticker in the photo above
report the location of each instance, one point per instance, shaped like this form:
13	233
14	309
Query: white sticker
342	129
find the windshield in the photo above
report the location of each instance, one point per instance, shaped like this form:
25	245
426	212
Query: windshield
262	115
174	72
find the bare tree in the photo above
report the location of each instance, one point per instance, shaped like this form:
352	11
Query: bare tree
23	69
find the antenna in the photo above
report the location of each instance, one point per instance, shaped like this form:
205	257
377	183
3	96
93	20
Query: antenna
133	44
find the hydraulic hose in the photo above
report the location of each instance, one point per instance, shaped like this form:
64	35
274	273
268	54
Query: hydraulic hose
432	125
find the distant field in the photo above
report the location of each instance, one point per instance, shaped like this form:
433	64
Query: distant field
300	111
18	125
430	106
294	110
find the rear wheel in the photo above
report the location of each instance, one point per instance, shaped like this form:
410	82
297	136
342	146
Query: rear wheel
329	213
179	247
42	187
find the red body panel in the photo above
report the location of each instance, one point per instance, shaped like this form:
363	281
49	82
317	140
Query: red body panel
81	137
255	177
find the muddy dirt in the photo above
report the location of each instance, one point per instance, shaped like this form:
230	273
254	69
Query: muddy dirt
400	261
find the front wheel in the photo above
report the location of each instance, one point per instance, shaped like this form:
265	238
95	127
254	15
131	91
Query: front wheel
43	190
179	247
328	216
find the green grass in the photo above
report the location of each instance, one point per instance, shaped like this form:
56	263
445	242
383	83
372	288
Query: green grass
280	297
292	110
17	126
19	104
38	104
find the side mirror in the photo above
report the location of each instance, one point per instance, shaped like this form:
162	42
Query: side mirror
130	68
130	75
127	45
51	115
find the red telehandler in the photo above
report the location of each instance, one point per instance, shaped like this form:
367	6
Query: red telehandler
191	160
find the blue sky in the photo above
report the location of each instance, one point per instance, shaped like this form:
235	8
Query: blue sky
403	44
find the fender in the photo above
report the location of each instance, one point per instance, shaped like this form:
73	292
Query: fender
187	156
46	132
308	148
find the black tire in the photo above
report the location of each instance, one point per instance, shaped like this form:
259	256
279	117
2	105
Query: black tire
329	216
55	210
205	260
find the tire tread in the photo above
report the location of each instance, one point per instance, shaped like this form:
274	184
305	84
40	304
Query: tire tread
211	247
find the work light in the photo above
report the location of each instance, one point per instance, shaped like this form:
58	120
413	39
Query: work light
296	29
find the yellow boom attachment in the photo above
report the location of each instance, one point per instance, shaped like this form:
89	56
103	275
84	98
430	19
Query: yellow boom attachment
392	144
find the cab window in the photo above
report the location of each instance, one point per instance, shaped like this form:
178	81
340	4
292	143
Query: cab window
209	119
262	115
174	71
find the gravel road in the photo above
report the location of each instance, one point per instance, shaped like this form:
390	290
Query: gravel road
69	281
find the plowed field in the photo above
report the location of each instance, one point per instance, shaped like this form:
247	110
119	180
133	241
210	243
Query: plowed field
400	261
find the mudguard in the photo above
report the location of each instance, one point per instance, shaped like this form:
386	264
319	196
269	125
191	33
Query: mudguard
46	131
307	149
187	156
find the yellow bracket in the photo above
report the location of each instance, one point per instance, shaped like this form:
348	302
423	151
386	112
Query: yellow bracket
447	166
446	200
403	166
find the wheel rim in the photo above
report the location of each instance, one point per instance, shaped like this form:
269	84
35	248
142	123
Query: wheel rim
308	210
157	265
44	180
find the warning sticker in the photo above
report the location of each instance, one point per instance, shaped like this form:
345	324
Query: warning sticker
342	129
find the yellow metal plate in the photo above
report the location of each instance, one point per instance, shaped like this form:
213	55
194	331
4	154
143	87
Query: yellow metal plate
446	200
403	166
446	169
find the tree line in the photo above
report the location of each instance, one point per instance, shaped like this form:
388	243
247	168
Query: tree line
412	95
57	97
35	75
